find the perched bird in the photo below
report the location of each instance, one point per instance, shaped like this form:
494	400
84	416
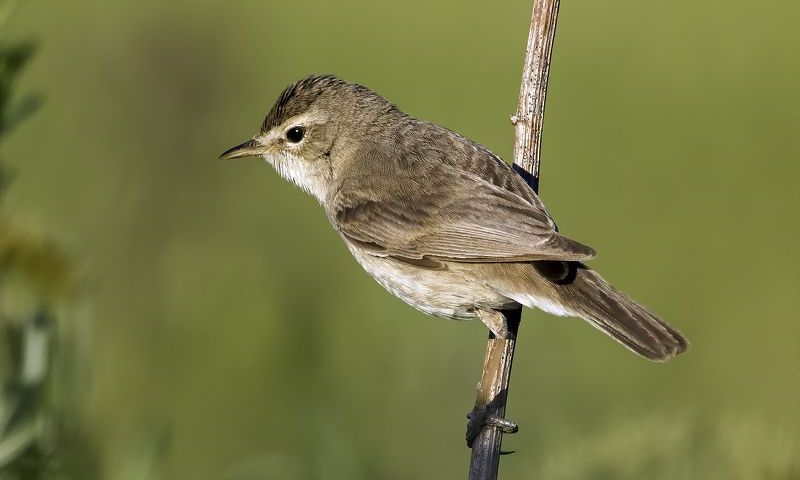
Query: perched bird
437	219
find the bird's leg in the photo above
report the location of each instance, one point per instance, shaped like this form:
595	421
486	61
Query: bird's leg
480	415
494	321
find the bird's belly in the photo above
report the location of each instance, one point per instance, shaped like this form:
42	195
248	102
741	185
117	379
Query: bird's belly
453	292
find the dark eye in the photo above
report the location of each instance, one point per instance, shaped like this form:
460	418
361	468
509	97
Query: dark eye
295	134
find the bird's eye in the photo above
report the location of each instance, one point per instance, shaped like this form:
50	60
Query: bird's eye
295	134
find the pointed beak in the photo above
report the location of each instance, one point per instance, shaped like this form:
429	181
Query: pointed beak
249	148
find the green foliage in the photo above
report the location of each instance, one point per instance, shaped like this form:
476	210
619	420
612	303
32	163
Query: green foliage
13	57
25	336
40	435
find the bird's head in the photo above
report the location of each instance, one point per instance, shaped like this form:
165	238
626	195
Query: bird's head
315	125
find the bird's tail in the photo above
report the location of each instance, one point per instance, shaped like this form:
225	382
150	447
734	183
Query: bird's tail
581	292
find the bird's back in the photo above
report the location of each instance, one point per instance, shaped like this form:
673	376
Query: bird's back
455	151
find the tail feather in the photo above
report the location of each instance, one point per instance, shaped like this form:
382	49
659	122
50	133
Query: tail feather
583	293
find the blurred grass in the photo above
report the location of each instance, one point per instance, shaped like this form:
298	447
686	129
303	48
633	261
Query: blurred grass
664	447
228	315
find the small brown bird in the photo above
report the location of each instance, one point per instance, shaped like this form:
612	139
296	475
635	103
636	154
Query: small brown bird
438	220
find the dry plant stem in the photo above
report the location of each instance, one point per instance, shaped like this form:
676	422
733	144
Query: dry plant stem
529	118
496	376
492	395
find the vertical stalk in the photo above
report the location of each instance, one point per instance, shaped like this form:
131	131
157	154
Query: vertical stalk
496	377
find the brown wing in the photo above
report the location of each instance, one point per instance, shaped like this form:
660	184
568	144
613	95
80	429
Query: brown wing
449	214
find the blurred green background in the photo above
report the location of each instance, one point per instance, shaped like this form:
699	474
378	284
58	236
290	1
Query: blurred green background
234	337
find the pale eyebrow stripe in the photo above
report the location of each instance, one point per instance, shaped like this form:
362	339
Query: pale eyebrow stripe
308	118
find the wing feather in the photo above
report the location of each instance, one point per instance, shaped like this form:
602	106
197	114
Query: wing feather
452	215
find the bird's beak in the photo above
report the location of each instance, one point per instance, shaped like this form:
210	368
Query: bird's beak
249	148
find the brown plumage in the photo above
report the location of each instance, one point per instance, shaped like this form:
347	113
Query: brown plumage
438	220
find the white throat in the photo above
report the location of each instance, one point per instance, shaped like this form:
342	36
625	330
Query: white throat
307	176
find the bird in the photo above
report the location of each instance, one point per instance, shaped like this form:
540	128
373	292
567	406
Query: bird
437	219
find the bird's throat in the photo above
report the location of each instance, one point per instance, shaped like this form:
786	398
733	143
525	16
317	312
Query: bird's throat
310	177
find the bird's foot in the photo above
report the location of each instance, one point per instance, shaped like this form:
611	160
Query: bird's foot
478	418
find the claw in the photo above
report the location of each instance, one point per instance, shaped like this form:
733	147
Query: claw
505	426
478	418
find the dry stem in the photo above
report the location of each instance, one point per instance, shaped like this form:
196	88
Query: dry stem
496	377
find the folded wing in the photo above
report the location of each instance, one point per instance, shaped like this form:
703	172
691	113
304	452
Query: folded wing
418	218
